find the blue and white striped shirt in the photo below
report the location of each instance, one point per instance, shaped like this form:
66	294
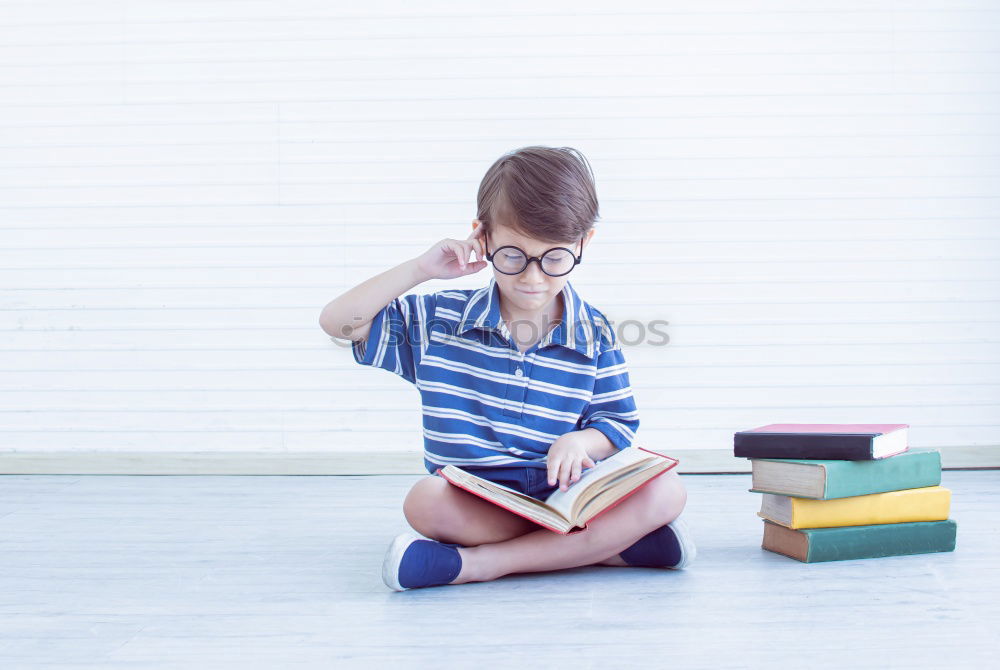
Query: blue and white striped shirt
484	402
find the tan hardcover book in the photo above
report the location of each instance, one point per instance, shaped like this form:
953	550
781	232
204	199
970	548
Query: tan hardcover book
599	489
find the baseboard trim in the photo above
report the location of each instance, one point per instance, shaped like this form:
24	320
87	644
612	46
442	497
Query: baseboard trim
692	461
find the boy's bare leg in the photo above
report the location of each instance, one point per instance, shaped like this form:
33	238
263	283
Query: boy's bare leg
656	504
446	513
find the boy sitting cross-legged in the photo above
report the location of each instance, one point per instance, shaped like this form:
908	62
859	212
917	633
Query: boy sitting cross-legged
522	382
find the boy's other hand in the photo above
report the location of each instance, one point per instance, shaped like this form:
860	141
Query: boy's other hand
566	459
449	258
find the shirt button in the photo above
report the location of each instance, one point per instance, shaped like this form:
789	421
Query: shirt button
518	372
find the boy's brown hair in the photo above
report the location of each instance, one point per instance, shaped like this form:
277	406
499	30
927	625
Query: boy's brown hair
546	193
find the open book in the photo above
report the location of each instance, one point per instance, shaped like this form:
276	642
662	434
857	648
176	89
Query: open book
599	488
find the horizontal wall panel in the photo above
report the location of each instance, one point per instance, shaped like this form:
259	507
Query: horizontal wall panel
799	210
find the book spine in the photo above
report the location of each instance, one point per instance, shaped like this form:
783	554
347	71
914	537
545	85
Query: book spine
925	504
876	541
802	445
909	470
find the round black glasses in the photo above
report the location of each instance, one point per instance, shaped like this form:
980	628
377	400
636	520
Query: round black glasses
555	262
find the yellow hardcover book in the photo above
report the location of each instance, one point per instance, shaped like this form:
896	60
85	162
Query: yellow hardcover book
930	503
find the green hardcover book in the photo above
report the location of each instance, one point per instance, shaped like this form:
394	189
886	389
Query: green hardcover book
813	545
826	479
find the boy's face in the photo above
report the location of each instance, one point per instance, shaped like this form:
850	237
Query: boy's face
532	290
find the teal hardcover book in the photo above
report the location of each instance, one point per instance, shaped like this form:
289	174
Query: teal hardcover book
813	545
826	479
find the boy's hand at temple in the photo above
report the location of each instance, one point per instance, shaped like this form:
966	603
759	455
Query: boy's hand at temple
449	258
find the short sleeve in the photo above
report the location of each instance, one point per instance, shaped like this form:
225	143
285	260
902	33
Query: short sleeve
612	408
398	336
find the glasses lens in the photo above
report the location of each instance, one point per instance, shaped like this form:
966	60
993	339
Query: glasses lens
557	261
508	259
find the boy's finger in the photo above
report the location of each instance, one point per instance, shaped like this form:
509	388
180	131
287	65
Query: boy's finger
476	264
564	475
553	469
575	473
467	250
457	248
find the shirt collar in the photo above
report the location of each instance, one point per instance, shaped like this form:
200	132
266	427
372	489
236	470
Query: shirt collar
575	331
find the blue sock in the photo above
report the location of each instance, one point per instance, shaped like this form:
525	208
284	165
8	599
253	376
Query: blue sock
429	563
657	549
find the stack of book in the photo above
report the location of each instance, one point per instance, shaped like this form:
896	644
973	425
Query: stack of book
844	491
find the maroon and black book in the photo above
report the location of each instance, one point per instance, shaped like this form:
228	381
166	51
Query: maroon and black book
835	441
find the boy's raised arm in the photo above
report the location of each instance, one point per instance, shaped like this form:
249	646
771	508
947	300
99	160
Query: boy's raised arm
349	315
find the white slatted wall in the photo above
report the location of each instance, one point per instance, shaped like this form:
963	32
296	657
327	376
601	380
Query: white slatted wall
807	192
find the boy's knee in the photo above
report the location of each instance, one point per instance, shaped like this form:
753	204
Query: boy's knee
669	499
423	506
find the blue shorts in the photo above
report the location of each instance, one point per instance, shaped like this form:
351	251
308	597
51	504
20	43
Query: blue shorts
532	481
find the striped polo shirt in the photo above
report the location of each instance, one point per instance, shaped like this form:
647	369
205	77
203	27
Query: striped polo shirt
484	402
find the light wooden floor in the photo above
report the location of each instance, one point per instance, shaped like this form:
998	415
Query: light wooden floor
283	572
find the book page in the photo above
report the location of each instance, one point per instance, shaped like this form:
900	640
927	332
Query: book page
606	497
591	480
613	482
530	507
